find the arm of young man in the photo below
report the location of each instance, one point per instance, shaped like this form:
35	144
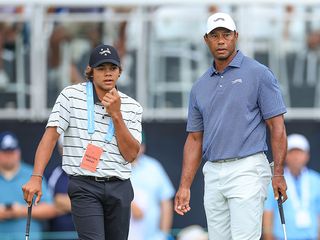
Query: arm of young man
192	155
127	144
43	155
278	139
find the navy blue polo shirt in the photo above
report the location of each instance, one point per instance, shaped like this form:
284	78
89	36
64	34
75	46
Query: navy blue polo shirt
231	107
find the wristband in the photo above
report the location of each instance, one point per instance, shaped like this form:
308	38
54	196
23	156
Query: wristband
277	176
37	175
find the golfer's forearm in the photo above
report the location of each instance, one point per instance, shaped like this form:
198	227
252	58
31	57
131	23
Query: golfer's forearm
44	150
278	142
279	149
191	160
189	170
41	161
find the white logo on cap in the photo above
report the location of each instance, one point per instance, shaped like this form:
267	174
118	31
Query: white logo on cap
105	52
215	20
9	142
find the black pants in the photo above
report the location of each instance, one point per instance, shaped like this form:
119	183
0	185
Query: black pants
100	210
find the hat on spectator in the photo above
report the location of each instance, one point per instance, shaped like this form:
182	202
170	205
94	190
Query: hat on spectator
8	141
103	54
220	20
298	141
193	232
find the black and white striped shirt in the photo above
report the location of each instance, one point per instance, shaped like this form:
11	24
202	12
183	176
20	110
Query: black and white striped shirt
69	115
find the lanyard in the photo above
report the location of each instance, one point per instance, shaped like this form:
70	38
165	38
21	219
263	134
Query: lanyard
304	201
90	110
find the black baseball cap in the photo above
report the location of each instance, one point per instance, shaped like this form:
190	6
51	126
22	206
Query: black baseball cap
104	54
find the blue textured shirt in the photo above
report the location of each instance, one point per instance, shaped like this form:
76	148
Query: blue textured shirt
231	108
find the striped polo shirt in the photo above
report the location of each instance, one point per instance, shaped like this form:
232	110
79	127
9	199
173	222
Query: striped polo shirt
231	107
70	115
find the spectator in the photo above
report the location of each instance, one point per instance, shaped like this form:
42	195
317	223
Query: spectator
193	232
61	69
152	207
13	209
302	210
58	184
8	34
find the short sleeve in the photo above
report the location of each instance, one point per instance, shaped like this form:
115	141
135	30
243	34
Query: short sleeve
195	120
270	98
134	124
60	114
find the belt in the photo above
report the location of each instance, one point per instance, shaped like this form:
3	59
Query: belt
98	179
226	160
233	159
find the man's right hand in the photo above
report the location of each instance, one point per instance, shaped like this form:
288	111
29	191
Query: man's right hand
31	188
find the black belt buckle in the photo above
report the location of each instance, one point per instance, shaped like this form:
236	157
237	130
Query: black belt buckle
106	179
99	179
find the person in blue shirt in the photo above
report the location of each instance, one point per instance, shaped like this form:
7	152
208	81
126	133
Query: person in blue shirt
302	209
231	106
13	209
152	207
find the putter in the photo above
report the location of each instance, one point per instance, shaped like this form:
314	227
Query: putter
280	208
282	216
28	221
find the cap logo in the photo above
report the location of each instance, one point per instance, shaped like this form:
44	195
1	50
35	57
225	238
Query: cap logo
216	20
105	52
9	142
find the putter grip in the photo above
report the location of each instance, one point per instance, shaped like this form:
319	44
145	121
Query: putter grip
281	209
28	221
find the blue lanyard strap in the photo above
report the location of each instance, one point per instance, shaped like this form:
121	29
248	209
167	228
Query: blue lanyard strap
90	110
110	132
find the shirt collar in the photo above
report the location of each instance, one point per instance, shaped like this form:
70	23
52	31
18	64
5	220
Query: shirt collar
236	62
95	96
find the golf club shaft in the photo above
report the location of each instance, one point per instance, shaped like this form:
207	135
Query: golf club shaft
284	231
282	216
28	221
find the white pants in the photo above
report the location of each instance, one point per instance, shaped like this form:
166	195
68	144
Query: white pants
235	191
